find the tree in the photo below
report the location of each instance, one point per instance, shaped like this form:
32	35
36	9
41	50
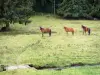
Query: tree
15	11
79	8
73	8
95	8
47	6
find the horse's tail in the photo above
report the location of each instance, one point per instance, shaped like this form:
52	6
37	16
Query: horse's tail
89	31
50	32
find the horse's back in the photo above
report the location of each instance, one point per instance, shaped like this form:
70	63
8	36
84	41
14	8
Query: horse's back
45	30
69	29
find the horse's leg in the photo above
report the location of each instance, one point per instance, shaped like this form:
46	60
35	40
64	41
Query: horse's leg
89	31
42	34
83	32
73	33
67	33
50	33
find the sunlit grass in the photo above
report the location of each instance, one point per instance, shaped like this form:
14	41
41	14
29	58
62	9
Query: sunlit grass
25	44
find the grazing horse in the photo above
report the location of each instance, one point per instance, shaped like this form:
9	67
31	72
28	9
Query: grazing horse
69	30
45	30
86	29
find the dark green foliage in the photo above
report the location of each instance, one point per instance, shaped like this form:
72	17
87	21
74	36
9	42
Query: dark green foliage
12	11
95	8
79	9
46	6
15	10
89	9
2	68
43	6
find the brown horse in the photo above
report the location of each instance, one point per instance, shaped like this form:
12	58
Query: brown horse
45	30
86	29
69	30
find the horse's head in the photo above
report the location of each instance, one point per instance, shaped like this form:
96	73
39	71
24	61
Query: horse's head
82	26
64	27
40	28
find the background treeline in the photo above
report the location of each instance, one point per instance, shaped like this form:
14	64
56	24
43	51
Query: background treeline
88	9
12	11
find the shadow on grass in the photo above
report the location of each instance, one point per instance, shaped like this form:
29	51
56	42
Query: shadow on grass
21	32
78	64
47	66
18	32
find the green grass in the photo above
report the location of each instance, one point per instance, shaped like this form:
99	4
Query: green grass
25	44
70	71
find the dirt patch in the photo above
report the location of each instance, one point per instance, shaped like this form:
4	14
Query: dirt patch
6	68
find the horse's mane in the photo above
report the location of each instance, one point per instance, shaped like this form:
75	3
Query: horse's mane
83	26
40	27
65	27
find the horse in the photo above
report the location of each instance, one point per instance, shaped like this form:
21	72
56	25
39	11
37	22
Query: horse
69	30
86	29
45	30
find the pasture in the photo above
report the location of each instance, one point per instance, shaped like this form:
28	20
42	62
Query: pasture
25	45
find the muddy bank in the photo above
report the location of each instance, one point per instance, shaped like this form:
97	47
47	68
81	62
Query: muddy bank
34	67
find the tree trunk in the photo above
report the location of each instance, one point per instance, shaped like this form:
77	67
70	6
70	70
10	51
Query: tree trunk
7	26
54	7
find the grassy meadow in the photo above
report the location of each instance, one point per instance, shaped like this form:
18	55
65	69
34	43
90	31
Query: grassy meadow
25	45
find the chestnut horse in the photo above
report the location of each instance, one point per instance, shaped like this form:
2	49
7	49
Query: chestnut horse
86	29
69	30
45	30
